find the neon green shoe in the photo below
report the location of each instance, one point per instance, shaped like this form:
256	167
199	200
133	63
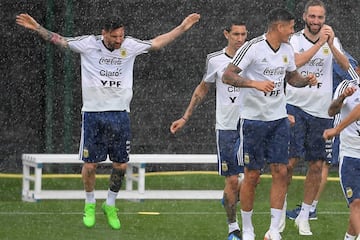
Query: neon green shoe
111	215
89	215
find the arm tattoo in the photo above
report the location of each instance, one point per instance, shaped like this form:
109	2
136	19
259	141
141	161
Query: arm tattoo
296	80
52	37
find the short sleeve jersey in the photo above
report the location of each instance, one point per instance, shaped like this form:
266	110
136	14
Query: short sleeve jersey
107	76
314	100
350	136
227	96
259	62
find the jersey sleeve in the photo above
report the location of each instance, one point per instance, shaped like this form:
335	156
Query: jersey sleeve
244	56
210	71
80	44
138	46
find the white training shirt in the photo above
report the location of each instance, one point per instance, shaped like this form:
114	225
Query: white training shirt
350	136
314	100
259	62
107	76
227	96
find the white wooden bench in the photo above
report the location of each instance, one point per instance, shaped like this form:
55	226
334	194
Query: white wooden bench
33	169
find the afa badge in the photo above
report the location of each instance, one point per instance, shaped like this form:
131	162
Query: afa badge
326	50
285	59
349	192
224	167
246	158
123	52
85	153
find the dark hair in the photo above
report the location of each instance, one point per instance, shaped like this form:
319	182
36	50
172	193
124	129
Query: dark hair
313	3
113	23
233	21
279	14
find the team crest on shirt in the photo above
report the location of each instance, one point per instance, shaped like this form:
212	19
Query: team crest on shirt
326	50
123	52
246	158
285	59
224	167
349	192
85	153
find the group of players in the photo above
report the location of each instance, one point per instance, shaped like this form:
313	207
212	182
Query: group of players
276	111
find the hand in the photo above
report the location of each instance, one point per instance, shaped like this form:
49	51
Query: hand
291	119
311	79
189	21
177	125
329	133
264	86
327	34
349	91
27	21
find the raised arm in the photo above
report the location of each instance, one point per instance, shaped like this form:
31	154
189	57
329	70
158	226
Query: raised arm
336	105
198	96
166	38
28	22
231	76
353	116
295	79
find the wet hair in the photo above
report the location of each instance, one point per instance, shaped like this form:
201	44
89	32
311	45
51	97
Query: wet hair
113	23
279	14
313	3
233	21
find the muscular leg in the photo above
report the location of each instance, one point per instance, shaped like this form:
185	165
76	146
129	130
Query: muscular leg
247	192
312	181
231	192
355	216
279	185
88	174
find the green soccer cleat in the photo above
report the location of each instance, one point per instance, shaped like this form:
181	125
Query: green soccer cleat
89	215
111	215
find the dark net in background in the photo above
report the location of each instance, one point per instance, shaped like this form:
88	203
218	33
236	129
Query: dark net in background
163	81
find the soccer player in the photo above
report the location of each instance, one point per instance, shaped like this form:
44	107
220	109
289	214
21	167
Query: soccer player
332	158
107	77
227	117
260	68
347	103
315	47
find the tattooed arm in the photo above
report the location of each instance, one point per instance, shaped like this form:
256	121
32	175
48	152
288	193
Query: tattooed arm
28	22
295	79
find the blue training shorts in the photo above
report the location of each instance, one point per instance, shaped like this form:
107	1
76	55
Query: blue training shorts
228	142
105	133
306	139
265	141
349	171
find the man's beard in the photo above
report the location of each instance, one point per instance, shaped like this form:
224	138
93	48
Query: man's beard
311	31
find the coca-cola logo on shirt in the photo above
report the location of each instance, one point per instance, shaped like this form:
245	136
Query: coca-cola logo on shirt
110	61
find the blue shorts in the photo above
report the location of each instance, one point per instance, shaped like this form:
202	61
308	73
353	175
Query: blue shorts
265	141
228	142
105	133
306	139
349	171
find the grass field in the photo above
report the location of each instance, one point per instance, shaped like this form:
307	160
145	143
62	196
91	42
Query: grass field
176	220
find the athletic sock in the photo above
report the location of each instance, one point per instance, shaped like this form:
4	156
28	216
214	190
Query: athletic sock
349	237
313	206
111	197
90	197
246	221
233	227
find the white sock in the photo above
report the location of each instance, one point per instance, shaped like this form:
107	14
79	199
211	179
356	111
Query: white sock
246	221
233	227
313	206
275	219
90	197
304	212
111	197
349	237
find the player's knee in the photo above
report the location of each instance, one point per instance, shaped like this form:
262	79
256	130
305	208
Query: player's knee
116	179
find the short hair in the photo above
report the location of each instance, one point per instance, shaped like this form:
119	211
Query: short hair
233	21
279	14
313	3
112	23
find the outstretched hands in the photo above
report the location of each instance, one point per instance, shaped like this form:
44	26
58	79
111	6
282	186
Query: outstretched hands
27	21
189	21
